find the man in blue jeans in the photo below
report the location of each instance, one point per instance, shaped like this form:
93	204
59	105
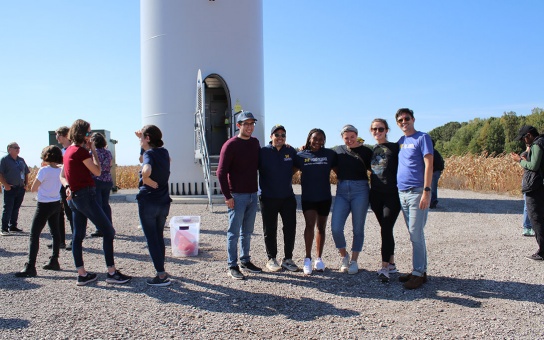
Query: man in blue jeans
14	178
414	178
237	174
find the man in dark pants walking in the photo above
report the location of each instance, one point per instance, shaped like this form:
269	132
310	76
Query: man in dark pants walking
532	185
277	197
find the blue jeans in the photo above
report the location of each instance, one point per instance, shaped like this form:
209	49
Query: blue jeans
103	190
434	186
351	196
526	222
415	219
12	202
83	205
241	224
153	218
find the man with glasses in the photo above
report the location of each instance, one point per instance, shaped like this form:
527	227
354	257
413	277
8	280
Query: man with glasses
237	174
14	178
532	184
414	178
276	164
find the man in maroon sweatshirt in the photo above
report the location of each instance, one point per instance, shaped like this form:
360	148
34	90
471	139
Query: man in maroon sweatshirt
237	173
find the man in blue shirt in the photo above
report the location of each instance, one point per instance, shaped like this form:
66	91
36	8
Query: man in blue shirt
414	178
276	163
14	178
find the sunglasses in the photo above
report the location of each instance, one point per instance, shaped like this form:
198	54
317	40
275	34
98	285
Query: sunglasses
15	147
405	119
279	135
248	124
87	134
380	129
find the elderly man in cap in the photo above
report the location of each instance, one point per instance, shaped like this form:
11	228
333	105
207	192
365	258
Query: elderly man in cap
532	184
237	173
277	197
14	178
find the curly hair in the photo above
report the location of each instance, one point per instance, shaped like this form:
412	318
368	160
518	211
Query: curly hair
99	140
312	131
52	153
78	131
155	135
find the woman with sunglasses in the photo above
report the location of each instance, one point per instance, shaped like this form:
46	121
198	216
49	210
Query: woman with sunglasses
384	198
351	196
76	177
316	163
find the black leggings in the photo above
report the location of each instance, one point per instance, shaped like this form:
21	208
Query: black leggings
45	213
386	206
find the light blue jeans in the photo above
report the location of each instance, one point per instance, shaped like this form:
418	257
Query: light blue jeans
241	224
526	222
351	196
415	219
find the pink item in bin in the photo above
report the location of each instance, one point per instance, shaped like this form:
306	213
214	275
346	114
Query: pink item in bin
184	235
184	241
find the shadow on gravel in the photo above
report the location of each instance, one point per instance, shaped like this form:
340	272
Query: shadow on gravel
483	206
13	323
222	299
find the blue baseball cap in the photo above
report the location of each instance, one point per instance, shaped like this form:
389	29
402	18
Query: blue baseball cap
245	115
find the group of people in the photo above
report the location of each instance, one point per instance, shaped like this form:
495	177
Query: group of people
77	180
401	177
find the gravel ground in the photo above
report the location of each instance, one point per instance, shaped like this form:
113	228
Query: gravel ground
480	285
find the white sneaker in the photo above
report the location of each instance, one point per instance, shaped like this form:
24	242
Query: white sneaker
383	274
307	268
345	264
392	268
319	265
273	265
353	268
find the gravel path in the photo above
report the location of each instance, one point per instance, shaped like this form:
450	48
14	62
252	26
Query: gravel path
480	285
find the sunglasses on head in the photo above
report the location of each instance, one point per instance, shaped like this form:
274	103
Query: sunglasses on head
279	135
380	129
404	119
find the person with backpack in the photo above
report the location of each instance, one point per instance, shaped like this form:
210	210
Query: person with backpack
532	183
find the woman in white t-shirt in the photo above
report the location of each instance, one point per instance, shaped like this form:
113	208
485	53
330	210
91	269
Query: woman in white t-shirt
47	184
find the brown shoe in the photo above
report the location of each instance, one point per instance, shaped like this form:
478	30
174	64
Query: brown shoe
415	281
407	277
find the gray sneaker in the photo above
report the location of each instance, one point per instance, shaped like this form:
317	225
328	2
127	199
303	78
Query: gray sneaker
289	265
273	265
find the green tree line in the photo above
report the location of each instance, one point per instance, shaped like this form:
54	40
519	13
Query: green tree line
493	135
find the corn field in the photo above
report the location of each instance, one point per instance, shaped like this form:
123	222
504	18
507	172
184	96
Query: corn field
484	173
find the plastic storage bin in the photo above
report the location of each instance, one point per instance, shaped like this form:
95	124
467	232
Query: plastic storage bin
184	235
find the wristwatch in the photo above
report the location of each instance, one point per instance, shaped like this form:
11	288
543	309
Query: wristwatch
427	189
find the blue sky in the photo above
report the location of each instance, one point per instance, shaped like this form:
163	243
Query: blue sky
326	64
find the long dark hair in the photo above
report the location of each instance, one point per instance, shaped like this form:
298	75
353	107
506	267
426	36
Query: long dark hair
312	131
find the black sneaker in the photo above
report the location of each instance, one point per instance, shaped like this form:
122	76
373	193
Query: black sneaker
5	232
117	277
250	267
53	264
83	280
158	282
27	271
15	230
235	273
535	257
97	234
62	246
